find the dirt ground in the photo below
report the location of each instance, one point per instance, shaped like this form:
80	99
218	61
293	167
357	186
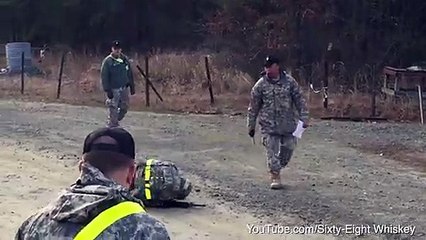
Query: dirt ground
342	173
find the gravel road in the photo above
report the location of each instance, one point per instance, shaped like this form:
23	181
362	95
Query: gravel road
342	172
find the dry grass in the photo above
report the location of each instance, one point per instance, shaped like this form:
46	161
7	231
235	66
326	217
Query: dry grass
359	105
182	82
180	79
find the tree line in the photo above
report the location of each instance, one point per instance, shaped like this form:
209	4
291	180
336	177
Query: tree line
391	32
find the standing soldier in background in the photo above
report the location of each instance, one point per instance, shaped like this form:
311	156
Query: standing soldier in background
117	77
273	98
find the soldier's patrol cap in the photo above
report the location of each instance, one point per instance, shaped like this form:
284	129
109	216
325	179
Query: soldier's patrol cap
125	143
269	60
116	44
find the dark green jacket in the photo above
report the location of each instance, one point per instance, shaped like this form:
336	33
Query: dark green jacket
116	73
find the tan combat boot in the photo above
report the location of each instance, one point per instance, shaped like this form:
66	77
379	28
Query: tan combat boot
275	180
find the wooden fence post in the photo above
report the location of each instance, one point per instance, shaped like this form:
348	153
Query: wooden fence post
148	82
209	80
373	96
147	77
421	103
22	72
60	75
325	84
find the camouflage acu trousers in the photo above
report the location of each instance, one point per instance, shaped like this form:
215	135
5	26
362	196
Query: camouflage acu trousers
279	150
117	106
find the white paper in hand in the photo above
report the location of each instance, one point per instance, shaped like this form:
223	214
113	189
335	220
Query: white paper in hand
299	130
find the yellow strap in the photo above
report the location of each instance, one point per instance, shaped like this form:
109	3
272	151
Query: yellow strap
107	218
147	178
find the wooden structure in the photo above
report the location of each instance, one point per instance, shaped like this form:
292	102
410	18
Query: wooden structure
400	82
406	84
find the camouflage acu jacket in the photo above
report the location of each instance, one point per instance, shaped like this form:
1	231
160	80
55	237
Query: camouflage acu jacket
78	205
277	104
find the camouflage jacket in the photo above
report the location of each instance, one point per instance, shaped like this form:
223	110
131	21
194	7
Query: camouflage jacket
276	103
79	204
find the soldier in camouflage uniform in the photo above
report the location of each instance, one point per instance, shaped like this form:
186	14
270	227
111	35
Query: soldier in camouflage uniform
273	99
117	77
99	204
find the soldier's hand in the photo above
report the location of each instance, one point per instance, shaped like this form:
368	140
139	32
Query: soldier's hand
306	124
110	95
251	132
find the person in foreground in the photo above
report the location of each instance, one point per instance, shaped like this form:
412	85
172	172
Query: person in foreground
273	98
99	204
